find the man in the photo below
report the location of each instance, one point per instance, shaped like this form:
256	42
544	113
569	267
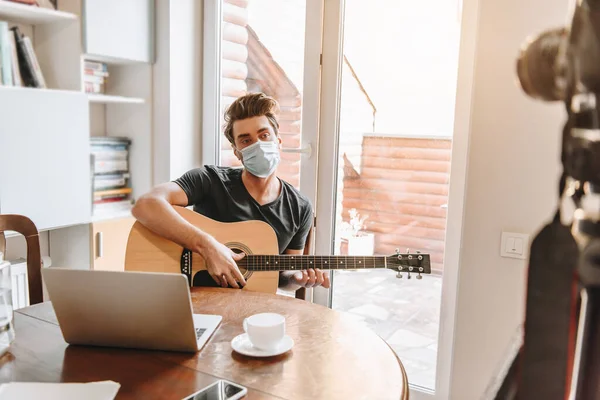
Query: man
253	192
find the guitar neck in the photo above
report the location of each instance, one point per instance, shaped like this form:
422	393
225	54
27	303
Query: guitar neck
302	262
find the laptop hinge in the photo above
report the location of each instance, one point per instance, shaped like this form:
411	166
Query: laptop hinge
186	265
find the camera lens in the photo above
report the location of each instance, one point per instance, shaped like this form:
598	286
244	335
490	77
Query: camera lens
539	73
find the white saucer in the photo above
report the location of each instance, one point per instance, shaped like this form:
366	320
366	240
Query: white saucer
242	345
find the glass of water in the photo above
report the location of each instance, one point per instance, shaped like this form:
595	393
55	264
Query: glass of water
7	329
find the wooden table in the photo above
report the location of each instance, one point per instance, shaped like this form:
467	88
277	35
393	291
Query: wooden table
333	356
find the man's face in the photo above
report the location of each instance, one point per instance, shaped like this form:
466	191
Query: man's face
250	130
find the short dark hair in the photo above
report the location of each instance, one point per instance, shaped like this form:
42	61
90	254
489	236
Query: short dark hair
248	106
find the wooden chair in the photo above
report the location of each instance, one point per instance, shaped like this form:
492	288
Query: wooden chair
308	250
27	228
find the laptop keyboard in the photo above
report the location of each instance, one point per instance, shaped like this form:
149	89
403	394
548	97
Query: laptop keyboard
199	332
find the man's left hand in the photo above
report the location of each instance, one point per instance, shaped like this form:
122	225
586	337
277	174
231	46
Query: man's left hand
311	278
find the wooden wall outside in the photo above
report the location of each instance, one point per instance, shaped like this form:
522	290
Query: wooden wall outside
248	68
403	188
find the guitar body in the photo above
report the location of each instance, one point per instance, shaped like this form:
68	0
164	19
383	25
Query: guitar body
149	252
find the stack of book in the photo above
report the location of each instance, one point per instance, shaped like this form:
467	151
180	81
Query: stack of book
110	171
94	77
18	63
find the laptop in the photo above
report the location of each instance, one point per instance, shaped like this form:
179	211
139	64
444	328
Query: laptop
143	310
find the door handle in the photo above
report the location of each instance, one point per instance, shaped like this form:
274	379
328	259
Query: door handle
308	149
99	245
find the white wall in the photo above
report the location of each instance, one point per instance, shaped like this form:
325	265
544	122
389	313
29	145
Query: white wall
177	85
185	85
161	93
508	188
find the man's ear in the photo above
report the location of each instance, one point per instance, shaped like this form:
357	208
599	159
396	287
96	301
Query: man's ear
279	141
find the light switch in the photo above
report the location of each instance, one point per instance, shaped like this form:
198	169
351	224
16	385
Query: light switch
510	245
514	245
518	246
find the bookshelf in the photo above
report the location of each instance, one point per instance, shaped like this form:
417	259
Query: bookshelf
67	118
108	99
112	216
15	89
110	60
28	15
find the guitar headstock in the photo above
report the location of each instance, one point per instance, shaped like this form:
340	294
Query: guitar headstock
417	263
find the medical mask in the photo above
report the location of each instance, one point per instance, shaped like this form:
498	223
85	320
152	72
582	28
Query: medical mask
261	158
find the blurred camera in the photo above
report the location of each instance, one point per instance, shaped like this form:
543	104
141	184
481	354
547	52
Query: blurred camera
560	63
563	64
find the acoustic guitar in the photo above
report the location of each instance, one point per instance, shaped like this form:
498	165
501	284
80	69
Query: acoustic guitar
149	252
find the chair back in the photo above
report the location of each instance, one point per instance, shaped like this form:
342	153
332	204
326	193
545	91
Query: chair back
26	227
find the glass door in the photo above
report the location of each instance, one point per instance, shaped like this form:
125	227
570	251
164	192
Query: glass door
273	47
389	89
367	93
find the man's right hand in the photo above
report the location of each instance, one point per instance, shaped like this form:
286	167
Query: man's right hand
221	265
155	210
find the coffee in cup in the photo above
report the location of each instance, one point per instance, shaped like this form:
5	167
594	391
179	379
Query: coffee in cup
265	330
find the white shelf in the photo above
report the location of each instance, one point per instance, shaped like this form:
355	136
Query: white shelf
106	99
109	60
106	216
37	90
31	15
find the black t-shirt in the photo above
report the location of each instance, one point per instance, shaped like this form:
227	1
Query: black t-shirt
220	194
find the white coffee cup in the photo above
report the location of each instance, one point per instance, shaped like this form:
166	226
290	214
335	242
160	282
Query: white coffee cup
265	330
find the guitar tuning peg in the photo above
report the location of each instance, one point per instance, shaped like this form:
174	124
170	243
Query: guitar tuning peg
399	275
419	276
409	277
407	250
397	251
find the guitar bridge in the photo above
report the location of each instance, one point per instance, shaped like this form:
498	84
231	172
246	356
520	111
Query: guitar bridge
185	263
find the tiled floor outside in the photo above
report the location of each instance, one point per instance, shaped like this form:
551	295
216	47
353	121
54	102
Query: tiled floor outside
403	312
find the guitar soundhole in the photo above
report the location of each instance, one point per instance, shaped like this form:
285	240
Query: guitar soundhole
237	251
239	248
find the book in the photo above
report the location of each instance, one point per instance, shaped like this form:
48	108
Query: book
95	66
110	166
108	154
94	77
6	54
111	191
26	68
90	87
110	181
34	61
17	81
91	72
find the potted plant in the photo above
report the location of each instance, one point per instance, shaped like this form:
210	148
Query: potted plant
357	241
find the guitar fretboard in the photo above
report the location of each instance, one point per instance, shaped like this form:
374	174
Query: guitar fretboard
301	262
